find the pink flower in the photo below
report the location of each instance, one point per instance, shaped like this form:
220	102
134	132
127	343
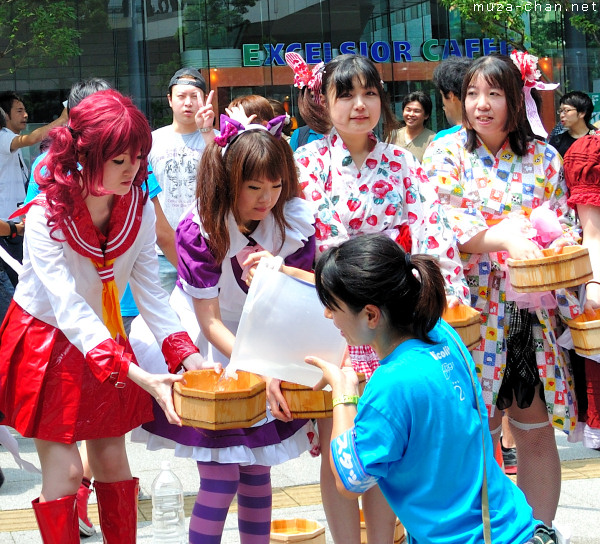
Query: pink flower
380	188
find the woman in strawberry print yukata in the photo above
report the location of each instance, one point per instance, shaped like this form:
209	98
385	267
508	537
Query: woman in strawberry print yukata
359	185
490	175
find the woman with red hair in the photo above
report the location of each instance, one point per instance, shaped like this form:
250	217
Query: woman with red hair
67	372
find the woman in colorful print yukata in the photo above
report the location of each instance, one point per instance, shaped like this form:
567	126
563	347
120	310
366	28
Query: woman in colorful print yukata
490	176
358	185
66	371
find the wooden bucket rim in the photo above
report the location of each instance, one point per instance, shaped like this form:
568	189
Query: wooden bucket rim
319	528
538	288
291	386
473	316
569	253
579	324
220	396
189	392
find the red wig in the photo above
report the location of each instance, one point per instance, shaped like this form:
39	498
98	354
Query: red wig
104	125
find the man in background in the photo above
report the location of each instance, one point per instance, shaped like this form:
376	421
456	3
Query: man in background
175	155
14	172
448	78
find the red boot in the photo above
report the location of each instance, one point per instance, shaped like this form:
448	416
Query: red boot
57	520
86	527
117	508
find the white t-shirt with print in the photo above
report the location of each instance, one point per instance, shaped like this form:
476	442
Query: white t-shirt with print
174	158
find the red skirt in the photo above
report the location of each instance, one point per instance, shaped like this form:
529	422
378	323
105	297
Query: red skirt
48	391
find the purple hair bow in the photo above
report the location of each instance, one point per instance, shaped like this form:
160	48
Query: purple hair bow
231	129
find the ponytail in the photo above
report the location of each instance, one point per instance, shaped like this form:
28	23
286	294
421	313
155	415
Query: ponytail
373	269
214	199
431	299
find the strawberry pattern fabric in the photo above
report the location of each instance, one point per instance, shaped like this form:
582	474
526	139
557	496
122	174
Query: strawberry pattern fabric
388	194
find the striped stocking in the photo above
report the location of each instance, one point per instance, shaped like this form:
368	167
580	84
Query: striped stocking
219	483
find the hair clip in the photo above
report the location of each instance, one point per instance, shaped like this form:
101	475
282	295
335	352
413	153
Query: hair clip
231	129
527	65
304	76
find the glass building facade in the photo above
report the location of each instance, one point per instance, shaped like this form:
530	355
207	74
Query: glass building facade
239	46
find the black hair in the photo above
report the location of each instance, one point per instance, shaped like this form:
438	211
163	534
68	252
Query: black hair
449	74
6	101
581	102
339	75
500	71
84	88
373	269
421	98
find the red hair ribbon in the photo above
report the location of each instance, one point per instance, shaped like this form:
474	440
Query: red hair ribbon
304	76
527	65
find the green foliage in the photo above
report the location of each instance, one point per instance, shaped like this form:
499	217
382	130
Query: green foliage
38	29
225	19
500	19
505	19
588	25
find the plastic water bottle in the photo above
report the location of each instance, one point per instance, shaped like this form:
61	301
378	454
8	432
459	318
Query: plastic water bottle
168	518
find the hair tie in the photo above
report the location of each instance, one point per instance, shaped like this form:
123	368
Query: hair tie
304	76
527	65
231	129
408	260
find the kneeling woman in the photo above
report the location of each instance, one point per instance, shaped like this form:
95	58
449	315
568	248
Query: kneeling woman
420	429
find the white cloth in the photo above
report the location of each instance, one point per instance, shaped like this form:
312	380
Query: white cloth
11	444
13	175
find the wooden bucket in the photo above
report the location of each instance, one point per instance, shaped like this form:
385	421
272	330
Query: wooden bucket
466	321
569	268
586	334
304	403
399	534
209	401
297	530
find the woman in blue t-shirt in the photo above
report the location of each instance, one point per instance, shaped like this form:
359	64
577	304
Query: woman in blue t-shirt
420	430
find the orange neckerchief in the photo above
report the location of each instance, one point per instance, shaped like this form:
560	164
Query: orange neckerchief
84	238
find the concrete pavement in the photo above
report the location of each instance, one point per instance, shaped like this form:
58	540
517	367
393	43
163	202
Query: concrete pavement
295	493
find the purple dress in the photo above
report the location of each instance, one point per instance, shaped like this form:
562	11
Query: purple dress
270	441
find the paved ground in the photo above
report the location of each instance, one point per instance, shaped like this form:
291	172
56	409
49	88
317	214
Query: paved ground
296	493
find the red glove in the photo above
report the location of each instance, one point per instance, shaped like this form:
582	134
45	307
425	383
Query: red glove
176	347
109	361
